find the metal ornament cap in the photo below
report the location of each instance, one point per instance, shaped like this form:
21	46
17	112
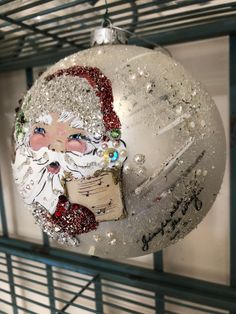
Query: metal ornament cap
108	35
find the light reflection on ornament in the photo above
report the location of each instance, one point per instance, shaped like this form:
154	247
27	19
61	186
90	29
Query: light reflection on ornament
139	159
110	234
123	153
97	238
116	144
113	242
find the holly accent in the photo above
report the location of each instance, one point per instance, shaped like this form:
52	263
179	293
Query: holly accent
115	134
20	121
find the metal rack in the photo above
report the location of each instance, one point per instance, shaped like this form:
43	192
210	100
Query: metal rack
43	31
38	32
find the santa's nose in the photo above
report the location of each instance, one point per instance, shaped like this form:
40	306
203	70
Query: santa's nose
57	145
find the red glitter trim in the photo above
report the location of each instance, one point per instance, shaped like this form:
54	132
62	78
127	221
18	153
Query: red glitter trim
73	219
102	87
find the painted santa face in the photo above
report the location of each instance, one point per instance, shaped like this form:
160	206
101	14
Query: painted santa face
58	152
59	136
68	161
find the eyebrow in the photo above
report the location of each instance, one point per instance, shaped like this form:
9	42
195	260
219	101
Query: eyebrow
65	116
45	119
76	123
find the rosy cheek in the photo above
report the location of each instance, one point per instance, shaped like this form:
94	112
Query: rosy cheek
37	141
77	146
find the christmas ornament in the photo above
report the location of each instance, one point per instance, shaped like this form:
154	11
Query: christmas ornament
118	151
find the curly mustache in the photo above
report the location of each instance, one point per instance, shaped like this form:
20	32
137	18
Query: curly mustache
74	162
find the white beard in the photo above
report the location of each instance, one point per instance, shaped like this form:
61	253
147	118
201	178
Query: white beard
37	185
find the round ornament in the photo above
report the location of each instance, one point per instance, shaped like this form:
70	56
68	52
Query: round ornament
119	152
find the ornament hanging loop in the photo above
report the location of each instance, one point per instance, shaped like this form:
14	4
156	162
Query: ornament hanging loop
108	35
106	22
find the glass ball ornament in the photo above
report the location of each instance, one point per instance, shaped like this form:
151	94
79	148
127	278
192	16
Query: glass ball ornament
119	151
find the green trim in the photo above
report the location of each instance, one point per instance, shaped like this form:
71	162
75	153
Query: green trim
187	289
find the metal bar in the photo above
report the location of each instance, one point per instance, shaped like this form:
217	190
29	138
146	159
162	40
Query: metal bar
11	283
70	275
2	2
31	51
26	6
8	257
18	307
36	30
98	294
192	33
193	290
123	309
27	299
158	266
49	272
48	306
167	19
232	41
68	291
27	288
185	305
73	292
118	297
91	10
185	25
40	60
135	19
46	243
113	4
48	11
77	15
64	17
67	282
216	28
137	293
27	264
23	287
115	296
77	295
29	279
157	21
162	20
138	41
29	77
43	284
31	272
20	46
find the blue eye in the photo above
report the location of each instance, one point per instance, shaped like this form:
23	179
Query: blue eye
77	137
39	131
